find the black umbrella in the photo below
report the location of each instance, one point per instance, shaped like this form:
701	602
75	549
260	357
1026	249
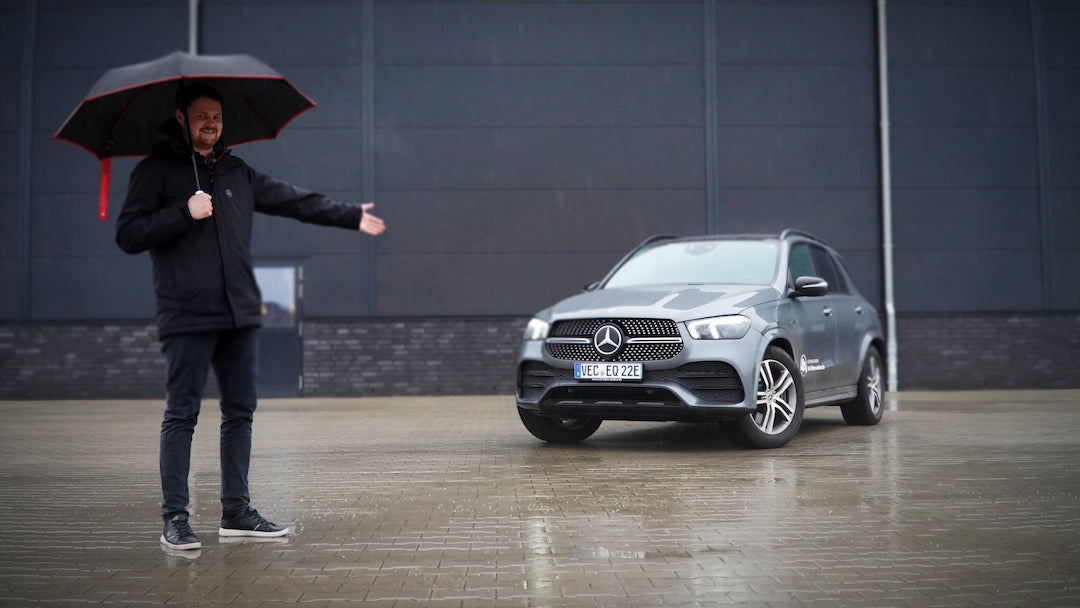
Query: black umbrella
121	113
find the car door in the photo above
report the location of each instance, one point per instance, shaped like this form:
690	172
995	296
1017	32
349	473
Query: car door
815	322
854	317
847	314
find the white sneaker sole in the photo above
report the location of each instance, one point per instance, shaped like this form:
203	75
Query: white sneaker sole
188	546
251	533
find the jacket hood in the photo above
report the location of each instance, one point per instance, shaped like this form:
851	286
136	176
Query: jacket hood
677	302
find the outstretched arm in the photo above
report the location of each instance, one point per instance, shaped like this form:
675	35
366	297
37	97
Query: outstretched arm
276	197
369	224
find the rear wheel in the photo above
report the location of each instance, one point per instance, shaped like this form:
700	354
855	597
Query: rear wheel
867	408
559	429
779	411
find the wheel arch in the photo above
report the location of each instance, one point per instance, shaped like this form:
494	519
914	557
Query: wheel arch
877	343
778	339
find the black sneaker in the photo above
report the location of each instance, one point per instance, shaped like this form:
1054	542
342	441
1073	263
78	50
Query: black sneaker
249	523
177	533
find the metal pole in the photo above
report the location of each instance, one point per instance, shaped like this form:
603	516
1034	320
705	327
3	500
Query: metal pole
1042	139
886	196
24	189
368	249
712	169
193	27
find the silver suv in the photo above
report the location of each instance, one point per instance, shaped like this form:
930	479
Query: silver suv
745	330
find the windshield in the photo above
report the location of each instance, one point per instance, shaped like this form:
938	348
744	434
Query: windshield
740	262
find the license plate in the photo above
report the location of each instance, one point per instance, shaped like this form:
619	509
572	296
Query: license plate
607	371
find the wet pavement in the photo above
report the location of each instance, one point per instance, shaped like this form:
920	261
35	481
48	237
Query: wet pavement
955	499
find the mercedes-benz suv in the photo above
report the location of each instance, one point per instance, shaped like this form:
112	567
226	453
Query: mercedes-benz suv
745	330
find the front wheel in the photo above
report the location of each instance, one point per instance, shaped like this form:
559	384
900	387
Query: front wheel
867	408
559	429
779	411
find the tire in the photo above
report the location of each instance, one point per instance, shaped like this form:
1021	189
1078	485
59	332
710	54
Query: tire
779	401
868	406
559	429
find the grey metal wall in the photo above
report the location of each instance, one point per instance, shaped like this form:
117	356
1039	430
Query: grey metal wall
985	115
65	264
516	149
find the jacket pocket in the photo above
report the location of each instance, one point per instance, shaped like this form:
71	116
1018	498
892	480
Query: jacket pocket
199	291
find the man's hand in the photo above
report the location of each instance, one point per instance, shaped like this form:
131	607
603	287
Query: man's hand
369	224
199	206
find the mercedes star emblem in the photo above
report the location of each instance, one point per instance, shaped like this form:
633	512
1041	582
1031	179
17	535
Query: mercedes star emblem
608	340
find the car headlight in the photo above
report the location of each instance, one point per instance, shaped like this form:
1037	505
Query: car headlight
537	329
731	327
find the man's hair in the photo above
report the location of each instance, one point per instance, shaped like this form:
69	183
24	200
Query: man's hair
190	92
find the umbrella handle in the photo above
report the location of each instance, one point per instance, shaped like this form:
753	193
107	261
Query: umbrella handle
103	195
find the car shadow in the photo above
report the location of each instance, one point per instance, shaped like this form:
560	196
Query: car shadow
686	436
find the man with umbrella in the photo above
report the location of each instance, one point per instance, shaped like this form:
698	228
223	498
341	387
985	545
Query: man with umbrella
191	205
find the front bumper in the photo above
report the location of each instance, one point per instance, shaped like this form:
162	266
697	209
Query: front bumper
707	386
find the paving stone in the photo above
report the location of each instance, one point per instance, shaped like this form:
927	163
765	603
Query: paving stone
956	499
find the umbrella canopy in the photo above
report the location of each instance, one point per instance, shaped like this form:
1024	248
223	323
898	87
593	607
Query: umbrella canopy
121	113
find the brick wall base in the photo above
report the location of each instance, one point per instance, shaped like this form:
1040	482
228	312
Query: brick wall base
475	356
84	361
342	358
444	356
988	351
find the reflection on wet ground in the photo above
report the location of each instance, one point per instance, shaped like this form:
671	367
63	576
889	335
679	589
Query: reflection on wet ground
956	499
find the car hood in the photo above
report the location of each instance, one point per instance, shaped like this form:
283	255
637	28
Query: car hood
676	302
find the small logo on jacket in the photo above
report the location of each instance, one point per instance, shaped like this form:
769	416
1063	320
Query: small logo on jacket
228	193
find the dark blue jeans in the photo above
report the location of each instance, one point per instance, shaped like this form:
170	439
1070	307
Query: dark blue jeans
188	359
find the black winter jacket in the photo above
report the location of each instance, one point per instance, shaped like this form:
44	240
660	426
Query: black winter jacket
203	275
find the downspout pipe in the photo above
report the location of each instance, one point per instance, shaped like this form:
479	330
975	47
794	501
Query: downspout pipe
193	27
886	197
368	250
24	189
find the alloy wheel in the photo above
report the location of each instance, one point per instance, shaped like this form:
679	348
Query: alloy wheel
873	385
777	397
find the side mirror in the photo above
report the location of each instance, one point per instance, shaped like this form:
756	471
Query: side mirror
811	287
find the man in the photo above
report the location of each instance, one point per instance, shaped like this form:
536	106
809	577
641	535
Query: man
208	304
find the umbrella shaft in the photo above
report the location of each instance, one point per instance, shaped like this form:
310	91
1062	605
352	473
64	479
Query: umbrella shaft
195	167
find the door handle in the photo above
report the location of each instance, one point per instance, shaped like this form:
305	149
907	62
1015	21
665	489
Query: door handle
858	310
828	311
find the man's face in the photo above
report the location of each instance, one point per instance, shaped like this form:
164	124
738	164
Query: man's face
205	115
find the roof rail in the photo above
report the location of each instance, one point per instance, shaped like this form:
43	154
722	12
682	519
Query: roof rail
793	232
654	238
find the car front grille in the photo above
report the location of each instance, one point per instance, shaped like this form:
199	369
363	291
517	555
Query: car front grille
712	381
632	352
632	329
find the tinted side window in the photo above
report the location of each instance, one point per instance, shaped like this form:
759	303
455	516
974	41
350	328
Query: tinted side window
799	263
845	274
826	269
